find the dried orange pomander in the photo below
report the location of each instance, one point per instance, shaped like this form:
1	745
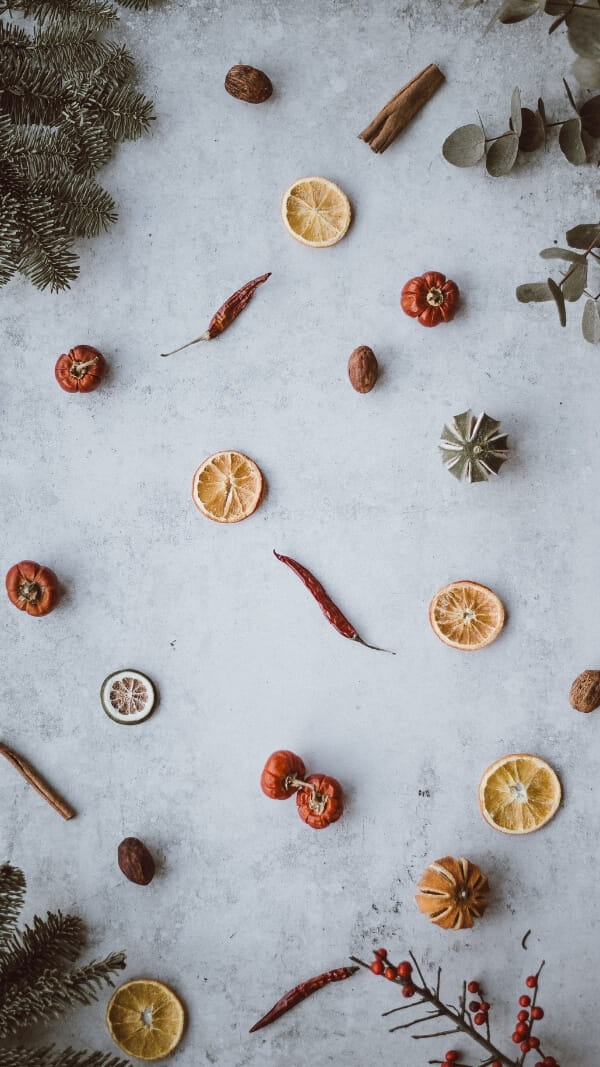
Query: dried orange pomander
453	893
430	298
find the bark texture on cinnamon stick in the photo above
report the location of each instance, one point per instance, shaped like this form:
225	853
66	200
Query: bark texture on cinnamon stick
33	778
402	108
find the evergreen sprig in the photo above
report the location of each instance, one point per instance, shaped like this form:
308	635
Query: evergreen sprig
66	99
38	981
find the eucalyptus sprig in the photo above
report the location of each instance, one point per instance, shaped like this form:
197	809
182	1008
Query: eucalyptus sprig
573	283
583	29
528	131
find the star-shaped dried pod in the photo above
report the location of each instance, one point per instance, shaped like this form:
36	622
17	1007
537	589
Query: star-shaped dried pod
472	447
453	893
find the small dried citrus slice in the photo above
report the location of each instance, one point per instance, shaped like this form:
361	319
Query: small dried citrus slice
316	212
227	487
128	696
145	1019
519	793
466	615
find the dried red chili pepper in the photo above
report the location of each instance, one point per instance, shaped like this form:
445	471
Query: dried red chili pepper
226	313
330	610
301	992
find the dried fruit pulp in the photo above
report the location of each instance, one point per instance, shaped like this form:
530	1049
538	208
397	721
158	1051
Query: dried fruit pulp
316	212
519	793
145	1018
227	487
466	615
128	696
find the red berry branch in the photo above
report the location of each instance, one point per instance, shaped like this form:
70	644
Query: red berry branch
471	1019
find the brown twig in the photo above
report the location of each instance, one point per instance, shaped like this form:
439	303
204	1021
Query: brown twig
33	778
402	108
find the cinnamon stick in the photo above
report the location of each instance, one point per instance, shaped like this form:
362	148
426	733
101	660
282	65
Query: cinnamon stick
402	108
30	775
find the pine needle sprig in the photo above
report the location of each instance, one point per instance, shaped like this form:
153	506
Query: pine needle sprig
91	14
48	1057
84	207
30	951
12	880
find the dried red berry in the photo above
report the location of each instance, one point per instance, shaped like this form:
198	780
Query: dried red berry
524	1001
531	981
405	969
473	987
474	1005
534	1042
516	1038
549	1061
485	1006
451	1056
537	1013
522	1016
391	973
479	1019
377	967
524	1046
522	1029
381	952
408	991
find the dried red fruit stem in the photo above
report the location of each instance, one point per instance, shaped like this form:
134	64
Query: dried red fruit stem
227	313
329	608
33	778
301	992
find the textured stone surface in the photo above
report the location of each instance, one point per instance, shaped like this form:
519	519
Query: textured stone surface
247	900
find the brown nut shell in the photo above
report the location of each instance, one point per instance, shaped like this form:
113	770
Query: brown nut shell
363	369
249	84
135	861
585	692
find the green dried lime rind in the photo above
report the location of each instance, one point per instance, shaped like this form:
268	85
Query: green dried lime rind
571	144
533	292
533	130
585	235
590	322
515	111
559	300
587	72
501	155
472	448
562	253
574	284
584	32
590	114
465	146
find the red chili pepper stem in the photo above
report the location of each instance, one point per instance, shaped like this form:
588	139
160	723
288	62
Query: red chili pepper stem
204	337
374	647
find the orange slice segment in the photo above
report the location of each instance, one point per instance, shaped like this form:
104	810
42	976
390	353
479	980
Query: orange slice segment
227	487
466	615
316	212
519	794
145	1019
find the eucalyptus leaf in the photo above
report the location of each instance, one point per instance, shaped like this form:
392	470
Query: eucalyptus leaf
557	296
584	32
557	7
533	292
557	22
533	131
590	322
501	155
562	253
517	10
515	111
465	146
574	283
590	116
587	72
584	236
569	139
570	95
542	110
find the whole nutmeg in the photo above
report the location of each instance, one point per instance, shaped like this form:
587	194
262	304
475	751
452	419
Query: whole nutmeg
363	369
249	84
585	691
136	861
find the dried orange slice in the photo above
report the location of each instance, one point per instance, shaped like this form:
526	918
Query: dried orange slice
128	696
227	487
316	212
145	1019
519	793
466	615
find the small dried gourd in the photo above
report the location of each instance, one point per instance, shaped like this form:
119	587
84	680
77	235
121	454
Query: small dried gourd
472	448
281	774
453	893
32	588
320	801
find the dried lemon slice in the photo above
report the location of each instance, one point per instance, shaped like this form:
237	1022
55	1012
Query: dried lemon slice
316	212
145	1019
466	615
227	487
519	793
128	696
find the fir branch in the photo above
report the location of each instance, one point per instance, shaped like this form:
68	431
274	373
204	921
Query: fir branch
38	152
92	14
83	207
125	113
137	5
49	1057
90	143
30	93
46	257
12	880
25	1003
30	951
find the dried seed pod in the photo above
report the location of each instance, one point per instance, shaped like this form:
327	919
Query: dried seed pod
363	369
249	84
136	861
585	692
452	893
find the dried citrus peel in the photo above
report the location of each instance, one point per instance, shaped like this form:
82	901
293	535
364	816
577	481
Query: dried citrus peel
145	1019
519	793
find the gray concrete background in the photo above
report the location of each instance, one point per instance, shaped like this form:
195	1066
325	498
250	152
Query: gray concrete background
249	900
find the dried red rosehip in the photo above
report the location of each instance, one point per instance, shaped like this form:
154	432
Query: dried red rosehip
377	967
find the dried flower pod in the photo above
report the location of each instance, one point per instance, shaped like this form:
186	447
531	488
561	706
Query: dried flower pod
472	447
135	861
363	369
585	692
249	84
452	893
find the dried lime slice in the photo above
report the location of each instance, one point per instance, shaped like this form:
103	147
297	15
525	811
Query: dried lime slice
128	696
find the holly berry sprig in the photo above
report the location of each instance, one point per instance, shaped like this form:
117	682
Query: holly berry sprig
469	1018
